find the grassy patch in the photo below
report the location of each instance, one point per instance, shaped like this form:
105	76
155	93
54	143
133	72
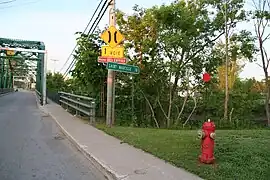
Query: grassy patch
240	154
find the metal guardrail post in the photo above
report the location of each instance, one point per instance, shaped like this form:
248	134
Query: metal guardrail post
78	106
93	112
39	96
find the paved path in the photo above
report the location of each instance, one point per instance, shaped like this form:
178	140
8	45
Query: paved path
32	148
119	159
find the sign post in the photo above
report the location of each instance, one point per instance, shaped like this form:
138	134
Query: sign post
112	37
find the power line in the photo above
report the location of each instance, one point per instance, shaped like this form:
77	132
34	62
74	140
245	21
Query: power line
74	60
89	33
72	64
98	16
83	32
23	4
7	2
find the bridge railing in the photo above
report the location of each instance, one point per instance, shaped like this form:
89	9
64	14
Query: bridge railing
79	105
54	96
6	90
39	96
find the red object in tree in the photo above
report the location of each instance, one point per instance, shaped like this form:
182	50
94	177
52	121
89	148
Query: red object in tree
206	77
207	135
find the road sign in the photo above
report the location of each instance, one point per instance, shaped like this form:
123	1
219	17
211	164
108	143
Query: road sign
123	68
112	36
109	59
116	52
10	52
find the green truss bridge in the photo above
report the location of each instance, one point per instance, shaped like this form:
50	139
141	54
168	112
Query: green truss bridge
23	59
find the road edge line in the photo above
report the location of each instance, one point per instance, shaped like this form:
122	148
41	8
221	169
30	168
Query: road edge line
104	169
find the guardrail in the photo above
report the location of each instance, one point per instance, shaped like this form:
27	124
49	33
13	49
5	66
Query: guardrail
54	96
80	104
39	96
6	90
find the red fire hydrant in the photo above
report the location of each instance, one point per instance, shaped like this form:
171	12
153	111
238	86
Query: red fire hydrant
207	136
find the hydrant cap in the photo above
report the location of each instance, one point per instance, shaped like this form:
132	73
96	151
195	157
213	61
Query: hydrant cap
210	126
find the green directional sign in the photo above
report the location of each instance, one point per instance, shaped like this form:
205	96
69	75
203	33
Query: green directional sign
123	68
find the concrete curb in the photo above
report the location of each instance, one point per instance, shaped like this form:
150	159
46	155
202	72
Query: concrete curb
105	170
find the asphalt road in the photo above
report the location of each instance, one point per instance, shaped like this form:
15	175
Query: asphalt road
33	148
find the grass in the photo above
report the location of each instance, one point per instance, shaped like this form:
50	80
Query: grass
240	154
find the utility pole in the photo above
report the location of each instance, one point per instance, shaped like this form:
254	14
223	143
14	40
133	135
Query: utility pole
54	60
111	74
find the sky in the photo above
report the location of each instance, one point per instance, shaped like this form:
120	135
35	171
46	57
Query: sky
55	22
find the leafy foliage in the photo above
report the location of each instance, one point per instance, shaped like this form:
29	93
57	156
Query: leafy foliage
88	72
55	82
173	45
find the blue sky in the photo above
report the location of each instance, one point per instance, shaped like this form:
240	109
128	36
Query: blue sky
55	21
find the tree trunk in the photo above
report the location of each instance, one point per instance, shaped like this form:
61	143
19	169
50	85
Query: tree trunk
267	83
226	66
267	107
102	105
267	98
152	110
168	120
182	109
172	94
193	110
169	109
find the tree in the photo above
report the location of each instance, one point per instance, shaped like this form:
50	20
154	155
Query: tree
233	72
261	16
88	71
257	86
55	82
187	41
173	42
89	75
230	11
140	33
173	45
240	50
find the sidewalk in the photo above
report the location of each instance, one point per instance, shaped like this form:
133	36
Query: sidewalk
117	160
